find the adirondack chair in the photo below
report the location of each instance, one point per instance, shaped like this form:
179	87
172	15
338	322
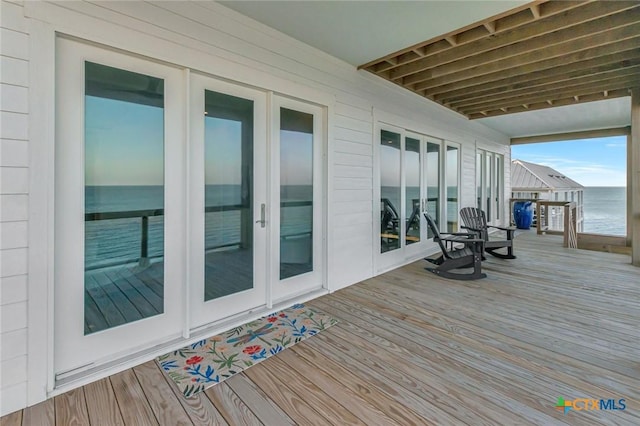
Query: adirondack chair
475	221
452	257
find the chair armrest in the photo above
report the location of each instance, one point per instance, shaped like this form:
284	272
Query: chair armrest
509	230
458	234
472	229
503	228
459	239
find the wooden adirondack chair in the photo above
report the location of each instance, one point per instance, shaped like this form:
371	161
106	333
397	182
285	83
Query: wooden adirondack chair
475	221
467	256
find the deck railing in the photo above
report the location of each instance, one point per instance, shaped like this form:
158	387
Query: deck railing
559	218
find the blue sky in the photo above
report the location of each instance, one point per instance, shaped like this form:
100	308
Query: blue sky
591	162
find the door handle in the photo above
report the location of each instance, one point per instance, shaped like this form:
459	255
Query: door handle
262	221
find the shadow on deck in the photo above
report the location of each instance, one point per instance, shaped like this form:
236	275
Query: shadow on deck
412	348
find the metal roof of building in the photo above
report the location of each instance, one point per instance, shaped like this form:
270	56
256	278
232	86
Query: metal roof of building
527	176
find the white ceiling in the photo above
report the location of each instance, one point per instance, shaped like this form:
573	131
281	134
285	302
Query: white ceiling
572	118
361	31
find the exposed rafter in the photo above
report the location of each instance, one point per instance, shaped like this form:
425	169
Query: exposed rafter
540	55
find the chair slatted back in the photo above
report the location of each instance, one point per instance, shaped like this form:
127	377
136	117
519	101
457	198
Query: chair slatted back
473	217
436	234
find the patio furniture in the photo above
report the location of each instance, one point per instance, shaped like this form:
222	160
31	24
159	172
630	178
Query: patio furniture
469	255
475	221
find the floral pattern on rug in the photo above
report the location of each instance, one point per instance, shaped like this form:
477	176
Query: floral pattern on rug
203	364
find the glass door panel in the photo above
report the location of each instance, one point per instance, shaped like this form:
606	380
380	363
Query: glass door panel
488	185
499	187
452	173
433	182
412	190
296	193
228	194
227	200
390	191
124	197
297	152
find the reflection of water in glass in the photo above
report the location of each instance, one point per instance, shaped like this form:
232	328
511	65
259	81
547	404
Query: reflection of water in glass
109	241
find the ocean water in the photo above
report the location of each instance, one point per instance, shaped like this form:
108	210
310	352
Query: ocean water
605	210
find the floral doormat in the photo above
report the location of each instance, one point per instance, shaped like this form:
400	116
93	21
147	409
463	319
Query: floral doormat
203	364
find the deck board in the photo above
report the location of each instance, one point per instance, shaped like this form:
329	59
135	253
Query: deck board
413	349
102	406
71	408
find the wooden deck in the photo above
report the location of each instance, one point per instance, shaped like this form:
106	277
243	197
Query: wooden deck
412	348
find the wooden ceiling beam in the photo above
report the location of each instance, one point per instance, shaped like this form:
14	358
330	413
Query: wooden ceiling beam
574	70
559	21
465	71
592	53
565	84
579	37
552	95
507	15
544	105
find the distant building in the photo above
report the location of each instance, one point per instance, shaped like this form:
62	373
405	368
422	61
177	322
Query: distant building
533	182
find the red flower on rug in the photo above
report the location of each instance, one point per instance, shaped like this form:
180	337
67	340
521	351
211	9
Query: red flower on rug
282	315
194	360
272	319
250	350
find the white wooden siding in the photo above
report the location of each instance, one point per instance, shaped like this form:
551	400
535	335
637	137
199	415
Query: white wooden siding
14	187
210	38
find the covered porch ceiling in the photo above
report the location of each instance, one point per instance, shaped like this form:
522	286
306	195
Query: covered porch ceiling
505	63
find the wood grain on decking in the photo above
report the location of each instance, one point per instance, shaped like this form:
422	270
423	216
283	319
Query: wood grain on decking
412	348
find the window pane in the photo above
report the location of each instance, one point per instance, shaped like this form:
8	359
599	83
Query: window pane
124	197
296	193
389	191
433	183
228	150
452	188
479	180
487	182
412	190
499	187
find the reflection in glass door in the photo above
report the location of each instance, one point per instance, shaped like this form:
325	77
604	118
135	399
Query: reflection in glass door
118	239
296	193
228	194
390	190
227	200
413	190
433	182
452	187
296	197
489	184
124	197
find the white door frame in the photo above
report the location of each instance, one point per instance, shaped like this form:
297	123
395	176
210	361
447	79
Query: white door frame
204	313
73	351
283	289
